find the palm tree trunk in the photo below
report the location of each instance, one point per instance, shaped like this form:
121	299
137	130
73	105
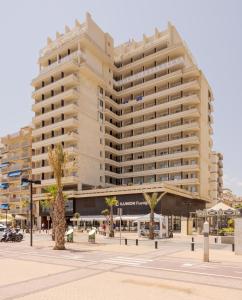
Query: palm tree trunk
151	227
111	232
53	224
59	222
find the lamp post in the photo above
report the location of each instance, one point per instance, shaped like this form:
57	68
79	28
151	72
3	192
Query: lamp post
30	182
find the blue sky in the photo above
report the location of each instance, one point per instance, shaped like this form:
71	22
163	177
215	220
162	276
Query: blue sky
211	28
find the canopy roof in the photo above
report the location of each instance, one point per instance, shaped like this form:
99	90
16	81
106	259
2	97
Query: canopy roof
146	218
221	206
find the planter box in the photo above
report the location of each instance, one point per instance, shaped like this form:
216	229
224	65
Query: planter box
229	239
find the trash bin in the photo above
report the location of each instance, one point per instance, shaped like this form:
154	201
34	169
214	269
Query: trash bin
69	236
91	236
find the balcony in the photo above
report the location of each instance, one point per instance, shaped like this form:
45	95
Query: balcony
187	84
68	95
190	99
162	52
68	123
70	62
172	143
159	158
66	109
44	156
183	168
68	137
71	79
194	112
175	62
155	133
48	169
65	180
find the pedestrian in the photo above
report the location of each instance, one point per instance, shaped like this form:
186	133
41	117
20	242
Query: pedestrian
43	227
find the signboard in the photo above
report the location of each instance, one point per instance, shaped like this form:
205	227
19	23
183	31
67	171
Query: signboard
4	206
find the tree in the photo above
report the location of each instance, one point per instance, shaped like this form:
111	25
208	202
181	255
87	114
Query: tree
48	203
152	201
111	202
57	160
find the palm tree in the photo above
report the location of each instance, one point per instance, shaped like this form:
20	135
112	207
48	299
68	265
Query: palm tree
49	204
57	160
152	201
111	202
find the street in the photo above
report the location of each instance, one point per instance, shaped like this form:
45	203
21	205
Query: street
106	270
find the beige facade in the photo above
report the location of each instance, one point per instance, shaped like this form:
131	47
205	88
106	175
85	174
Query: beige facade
216	177
139	113
15	161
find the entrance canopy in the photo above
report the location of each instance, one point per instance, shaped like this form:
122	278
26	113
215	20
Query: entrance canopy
146	218
221	209
88	218
221	206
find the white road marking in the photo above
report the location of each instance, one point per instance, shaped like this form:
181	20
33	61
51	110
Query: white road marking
128	261
187	265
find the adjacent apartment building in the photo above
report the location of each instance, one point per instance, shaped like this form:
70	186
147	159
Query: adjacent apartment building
216	177
138	114
15	163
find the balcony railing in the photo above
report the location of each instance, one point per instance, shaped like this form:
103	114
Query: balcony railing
68	58
151	71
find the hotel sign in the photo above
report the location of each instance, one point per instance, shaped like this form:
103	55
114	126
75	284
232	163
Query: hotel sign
132	203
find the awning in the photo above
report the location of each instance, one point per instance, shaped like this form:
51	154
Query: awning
4	186
20	217
3	165
15	173
146	218
221	207
127	217
4	206
89	218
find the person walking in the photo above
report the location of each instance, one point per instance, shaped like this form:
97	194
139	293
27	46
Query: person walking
43	227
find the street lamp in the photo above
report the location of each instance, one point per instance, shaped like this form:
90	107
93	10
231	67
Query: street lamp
30	182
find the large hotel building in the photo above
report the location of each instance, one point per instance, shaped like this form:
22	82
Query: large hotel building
135	117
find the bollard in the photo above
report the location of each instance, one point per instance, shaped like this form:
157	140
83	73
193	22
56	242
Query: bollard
232	247
192	246
156	245
126	242
137	242
192	239
215	240
206	242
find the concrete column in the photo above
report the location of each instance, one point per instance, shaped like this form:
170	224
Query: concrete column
161	229
238	236
184	226
138	229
